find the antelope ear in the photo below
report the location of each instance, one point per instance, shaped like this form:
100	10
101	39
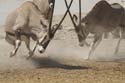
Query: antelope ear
75	18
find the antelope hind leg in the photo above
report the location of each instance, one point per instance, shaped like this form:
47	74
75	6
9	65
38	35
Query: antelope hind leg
118	44
117	47
27	42
16	47
31	53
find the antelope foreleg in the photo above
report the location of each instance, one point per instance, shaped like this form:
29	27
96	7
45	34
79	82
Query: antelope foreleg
96	42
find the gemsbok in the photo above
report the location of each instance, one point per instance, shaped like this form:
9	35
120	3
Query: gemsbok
30	20
103	18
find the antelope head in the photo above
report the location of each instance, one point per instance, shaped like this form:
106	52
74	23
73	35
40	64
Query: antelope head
81	31
46	38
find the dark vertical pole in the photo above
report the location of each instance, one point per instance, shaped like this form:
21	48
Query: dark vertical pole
51	18
80	12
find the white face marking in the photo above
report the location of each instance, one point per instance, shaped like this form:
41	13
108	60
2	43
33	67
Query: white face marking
41	49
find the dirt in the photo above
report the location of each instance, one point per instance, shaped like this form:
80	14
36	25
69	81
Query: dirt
63	62
98	72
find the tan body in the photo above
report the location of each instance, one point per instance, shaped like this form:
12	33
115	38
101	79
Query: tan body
31	20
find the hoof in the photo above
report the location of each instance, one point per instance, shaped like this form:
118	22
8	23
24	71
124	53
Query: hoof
12	54
30	55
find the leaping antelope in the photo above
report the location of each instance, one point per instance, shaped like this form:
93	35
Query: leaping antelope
30	20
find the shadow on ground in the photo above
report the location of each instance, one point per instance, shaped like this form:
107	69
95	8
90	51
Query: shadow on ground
50	63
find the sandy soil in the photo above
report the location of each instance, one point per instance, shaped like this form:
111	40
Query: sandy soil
58	73
63	62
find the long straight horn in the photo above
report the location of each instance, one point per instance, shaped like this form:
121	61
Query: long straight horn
80	11
68	10
51	18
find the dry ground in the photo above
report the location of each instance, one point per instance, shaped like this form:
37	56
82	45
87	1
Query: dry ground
91	73
63	62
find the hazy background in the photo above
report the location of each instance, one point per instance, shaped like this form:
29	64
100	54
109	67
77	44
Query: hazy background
64	47
6	6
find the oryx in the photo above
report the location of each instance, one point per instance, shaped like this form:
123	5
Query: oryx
103	18
30	20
